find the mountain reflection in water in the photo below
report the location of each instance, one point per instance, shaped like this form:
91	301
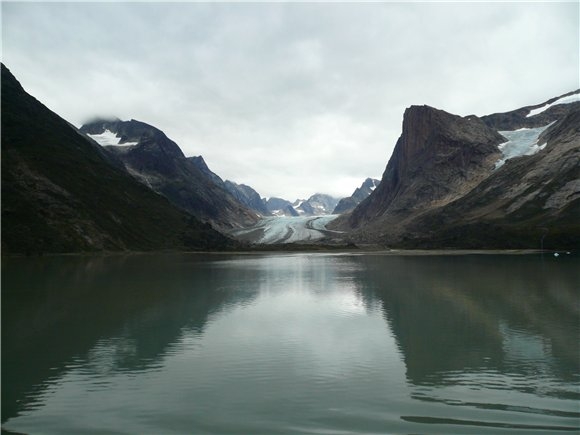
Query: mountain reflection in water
298	343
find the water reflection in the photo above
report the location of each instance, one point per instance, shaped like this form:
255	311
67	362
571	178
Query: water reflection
509	313
301	343
115	313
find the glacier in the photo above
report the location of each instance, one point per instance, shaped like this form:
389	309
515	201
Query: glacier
521	142
288	229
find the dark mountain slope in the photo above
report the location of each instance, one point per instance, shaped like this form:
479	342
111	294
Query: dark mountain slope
438	158
159	163
359	195
61	193
446	184
529	202
243	193
247	196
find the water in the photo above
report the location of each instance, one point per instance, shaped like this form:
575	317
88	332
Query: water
292	344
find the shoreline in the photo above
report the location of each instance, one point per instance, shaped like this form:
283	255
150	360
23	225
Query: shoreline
316	249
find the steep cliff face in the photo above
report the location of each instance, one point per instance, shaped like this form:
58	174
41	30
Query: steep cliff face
459	182
158	162
438	158
529	202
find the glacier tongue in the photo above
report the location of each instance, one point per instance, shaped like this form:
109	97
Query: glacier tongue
290	229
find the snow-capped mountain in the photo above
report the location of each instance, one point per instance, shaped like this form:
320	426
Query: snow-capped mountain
318	204
158	162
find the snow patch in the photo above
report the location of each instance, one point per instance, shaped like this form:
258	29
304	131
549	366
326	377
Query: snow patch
108	138
521	142
564	100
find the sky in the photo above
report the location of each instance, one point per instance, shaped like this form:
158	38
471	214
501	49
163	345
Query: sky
289	98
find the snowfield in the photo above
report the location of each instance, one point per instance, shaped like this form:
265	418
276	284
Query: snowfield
287	229
108	138
522	142
564	100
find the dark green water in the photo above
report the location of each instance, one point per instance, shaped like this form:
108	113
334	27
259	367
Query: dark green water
302	343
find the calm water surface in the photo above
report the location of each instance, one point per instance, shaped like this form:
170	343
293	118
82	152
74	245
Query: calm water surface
301	343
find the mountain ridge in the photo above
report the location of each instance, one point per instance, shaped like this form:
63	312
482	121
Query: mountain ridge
61	193
158	162
443	185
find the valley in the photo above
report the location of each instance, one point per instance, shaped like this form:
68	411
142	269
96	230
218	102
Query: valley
501	181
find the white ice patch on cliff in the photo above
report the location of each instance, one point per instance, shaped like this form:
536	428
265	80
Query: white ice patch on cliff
108	138
564	100
522	142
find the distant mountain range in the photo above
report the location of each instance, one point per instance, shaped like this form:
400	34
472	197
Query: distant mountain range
317	205
507	180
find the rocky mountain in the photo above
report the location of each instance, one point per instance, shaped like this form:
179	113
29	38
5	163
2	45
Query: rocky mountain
158	162
360	194
241	192
63	193
317	205
247	196
487	182
279	207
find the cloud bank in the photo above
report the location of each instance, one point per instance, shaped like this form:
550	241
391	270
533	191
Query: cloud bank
290	98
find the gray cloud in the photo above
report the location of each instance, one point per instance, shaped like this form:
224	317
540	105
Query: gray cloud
289	98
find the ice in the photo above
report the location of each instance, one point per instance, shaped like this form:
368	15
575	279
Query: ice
564	100
291	229
522	142
108	138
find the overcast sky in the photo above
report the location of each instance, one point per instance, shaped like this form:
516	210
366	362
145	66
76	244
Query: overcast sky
289	98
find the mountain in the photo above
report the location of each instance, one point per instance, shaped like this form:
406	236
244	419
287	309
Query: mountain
317	205
472	182
279	207
247	196
158	162
244	194
63	193
531	201
360	194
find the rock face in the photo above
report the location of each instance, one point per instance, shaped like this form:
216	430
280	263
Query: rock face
157	161
438	158
63	193
360	194
443	186
531	201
